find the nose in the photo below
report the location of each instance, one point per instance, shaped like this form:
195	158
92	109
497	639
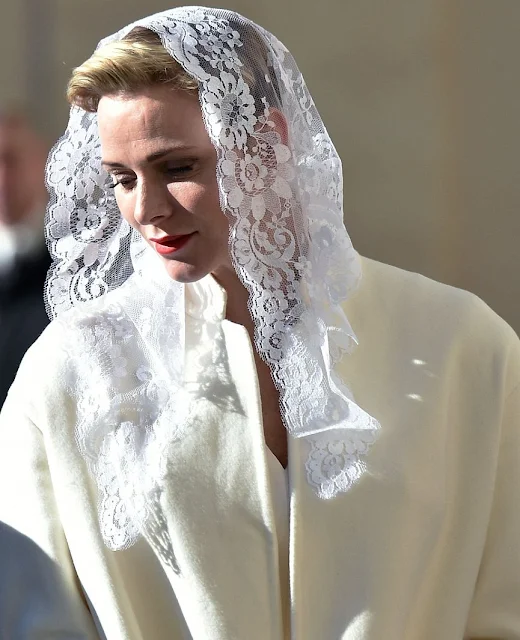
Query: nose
152	204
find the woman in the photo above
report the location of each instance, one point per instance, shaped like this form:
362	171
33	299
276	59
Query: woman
196	443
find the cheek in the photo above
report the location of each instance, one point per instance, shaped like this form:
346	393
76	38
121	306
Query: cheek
126	209
201	200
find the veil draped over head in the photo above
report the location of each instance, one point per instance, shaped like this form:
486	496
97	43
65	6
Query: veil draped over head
288	244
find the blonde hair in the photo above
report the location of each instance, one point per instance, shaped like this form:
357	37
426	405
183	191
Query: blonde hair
137	61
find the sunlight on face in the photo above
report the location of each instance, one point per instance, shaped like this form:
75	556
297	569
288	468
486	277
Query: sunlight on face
163	164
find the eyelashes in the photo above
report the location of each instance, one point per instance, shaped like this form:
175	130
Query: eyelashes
174	172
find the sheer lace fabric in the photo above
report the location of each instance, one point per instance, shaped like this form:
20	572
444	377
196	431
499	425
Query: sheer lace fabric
283	200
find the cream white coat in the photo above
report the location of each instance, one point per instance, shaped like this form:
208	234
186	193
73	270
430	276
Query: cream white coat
425	547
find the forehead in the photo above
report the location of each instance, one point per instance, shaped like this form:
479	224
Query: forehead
156	116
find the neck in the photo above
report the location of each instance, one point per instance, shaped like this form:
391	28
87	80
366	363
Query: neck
237	297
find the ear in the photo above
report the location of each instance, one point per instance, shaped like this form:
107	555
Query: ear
280	124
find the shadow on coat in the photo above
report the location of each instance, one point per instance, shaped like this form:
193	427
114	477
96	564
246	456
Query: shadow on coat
35	599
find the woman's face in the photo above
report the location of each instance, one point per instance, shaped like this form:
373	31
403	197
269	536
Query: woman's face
156	148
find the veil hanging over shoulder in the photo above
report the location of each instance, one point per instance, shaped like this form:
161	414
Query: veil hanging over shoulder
288	244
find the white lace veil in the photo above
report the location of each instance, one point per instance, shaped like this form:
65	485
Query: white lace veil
287	241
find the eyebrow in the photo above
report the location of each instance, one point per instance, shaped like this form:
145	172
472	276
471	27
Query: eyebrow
153	156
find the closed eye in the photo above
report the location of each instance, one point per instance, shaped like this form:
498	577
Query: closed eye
177	171
125	182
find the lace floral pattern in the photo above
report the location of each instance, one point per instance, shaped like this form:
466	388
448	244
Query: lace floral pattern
84	229
280	185
125	395
335	465
230	110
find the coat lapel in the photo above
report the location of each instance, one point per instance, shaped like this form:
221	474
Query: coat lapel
217	503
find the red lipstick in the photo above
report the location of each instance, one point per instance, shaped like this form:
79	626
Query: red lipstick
170	244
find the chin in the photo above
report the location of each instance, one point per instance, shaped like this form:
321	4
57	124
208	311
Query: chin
185	273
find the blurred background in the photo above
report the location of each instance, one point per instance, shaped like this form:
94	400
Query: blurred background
421	99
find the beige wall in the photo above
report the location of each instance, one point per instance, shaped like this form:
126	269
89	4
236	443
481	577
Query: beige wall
11	51
489	160
421	99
